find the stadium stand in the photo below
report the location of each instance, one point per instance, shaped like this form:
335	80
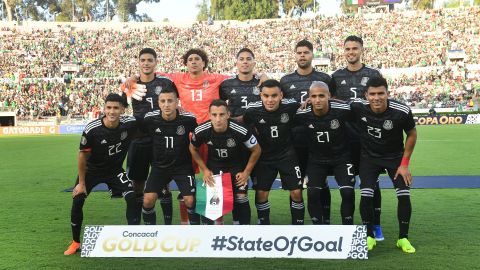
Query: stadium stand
48	69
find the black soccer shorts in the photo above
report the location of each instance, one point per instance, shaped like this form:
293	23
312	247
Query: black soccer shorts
370	170
233	172
159	179
117	183
317	174
290	174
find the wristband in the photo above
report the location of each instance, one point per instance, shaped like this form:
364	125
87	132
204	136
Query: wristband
405	161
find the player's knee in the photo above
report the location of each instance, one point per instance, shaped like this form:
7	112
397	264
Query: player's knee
296	195
129	195
347	193
189	201
79	200
149	200
313	193
261	196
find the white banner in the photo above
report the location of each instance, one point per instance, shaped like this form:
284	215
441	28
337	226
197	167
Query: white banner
273	241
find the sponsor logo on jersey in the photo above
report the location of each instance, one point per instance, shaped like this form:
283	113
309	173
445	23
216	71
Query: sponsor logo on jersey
334	124
209	143
293	86
343	82
256	91
284	118
311	126
158	130
364	119
83	140
180	130
124	135
261	121
233	91
388	125
364	81
103	141
231	142
158	90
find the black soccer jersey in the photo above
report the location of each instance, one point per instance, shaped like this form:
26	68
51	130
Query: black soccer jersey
108	147
273	128
150	100
224	149
347	85
382	134
296	86
326	134
239	94
171	140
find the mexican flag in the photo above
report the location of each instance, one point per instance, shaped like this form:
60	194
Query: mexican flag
214	202
355	2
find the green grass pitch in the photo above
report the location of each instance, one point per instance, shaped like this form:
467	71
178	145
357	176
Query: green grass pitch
34	223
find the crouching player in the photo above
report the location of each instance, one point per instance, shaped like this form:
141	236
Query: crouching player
225	140
103	148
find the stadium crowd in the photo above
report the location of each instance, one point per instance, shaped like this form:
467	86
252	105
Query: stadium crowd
392	40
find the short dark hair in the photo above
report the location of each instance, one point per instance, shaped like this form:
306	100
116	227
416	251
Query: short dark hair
199	52
271	83
113	97
246	50
304	43
377	82
218	103
168	90
354	39
147	51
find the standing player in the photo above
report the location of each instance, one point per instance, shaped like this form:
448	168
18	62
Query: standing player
349	83
226	140
197	88
273	119
170	130
242	89
140	152
324	123
239	91
103	148
381	122
296	85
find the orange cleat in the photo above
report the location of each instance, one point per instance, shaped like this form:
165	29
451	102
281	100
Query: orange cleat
72	248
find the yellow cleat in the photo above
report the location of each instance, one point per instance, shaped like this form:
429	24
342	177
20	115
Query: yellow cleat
405	245
371	243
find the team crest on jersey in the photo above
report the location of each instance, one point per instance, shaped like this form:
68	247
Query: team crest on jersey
364	81
158	90
231	142
256	91
284	118
388	125
334	124
205	84
180	130
83	141
124	135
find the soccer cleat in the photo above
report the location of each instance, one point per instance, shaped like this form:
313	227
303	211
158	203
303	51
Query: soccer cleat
371	243
72	248
405	245
377	232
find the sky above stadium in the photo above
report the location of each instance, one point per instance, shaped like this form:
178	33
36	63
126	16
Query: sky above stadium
186	10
